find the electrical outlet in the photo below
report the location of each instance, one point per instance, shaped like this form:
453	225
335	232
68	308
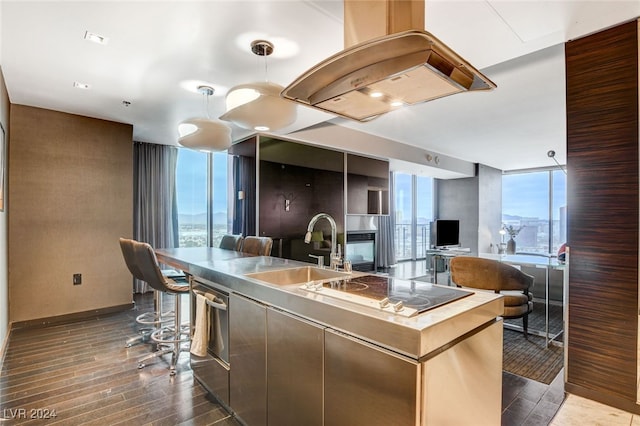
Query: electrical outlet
77	279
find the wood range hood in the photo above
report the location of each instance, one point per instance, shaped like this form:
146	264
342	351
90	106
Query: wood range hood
389	62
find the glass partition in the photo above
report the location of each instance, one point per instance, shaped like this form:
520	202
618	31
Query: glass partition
534	202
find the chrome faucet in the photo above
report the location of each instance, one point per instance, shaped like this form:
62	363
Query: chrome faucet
336	255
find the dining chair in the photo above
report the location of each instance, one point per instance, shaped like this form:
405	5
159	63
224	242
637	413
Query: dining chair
257	245
499	277
231	242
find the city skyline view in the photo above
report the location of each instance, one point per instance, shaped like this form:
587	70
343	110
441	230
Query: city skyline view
191	182
525	205
527	194
191	196
525	202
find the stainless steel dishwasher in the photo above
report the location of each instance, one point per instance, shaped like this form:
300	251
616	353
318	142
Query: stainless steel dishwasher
212	370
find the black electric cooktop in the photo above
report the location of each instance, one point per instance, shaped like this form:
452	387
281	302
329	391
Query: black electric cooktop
417	295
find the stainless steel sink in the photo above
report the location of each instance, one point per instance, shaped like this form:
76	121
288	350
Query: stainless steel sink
300	275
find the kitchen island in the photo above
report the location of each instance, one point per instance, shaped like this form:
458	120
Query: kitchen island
304	354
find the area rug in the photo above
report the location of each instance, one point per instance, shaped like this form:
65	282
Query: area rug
537	318
530	357
425	278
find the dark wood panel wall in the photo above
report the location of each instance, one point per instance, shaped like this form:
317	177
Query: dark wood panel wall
310	191
602	161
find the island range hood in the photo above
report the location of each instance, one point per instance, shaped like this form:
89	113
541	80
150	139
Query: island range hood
400	68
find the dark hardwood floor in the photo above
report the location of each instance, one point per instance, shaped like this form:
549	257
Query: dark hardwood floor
526	402
82	373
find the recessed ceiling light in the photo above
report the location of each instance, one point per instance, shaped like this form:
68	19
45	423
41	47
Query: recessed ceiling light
397	103
96	38
79	85
376	94
261	128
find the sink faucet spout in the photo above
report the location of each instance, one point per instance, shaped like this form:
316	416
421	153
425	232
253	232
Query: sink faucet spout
335	256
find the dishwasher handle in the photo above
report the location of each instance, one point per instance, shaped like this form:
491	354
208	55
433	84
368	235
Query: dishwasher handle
215	302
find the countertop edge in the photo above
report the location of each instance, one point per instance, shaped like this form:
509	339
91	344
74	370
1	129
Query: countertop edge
414	337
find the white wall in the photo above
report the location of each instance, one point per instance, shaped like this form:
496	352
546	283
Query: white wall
4	282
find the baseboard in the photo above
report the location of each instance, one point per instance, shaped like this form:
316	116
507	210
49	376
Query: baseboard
76	316
3	348
610	400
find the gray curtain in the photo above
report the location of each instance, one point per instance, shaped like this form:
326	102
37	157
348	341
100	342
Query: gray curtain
386	232
244	211
155	208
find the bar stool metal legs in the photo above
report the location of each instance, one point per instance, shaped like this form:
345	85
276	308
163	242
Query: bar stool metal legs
150	321
169	338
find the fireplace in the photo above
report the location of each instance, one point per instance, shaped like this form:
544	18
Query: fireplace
361	250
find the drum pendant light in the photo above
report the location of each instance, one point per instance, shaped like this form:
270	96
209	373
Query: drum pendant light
258	106
204	134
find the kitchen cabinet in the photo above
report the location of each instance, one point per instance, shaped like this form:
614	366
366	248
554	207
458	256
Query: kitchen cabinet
367	185
368	385
248	359
276	364
463	384
443	366
294	370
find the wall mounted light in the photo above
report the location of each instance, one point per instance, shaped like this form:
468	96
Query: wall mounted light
552	154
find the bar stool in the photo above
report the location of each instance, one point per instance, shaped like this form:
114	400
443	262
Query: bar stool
153	319
172	336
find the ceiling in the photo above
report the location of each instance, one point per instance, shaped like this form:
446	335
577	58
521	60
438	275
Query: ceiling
159	52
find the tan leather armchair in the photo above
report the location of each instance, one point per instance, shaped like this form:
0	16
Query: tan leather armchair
487	274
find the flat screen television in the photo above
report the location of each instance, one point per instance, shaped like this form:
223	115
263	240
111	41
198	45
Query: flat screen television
445	233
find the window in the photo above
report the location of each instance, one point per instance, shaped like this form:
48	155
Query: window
424	214
201	191
536	201
221	218
413	198
403	207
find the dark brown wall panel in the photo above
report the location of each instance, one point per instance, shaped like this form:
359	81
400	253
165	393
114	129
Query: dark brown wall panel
602	160
310	191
